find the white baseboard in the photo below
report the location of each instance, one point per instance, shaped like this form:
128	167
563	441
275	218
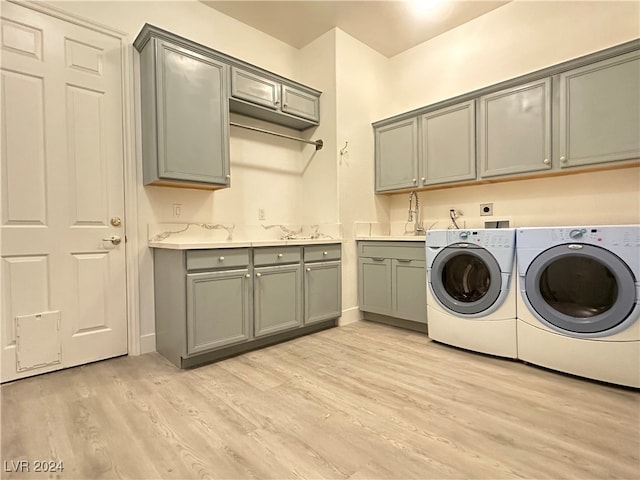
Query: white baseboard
147	343
350	315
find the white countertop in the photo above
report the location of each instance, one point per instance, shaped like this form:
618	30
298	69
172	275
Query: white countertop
195	245
392	238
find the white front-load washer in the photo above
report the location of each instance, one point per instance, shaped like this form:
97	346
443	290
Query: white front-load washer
471	295
579	304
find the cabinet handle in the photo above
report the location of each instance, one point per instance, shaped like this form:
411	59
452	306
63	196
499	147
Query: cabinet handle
404	260
308	269
415	180
325	253
277	102
221	259
227	177
248	276
378	259
423	180
546	161
563	159
258	274
280	255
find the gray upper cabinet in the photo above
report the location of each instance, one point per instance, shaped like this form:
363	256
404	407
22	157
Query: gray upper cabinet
300	103
579	113
515	130
185	124
396	151
448	152
254	88
435	148
600	112
259	95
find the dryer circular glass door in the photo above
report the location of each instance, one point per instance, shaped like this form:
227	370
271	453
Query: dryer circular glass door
580	288
465	279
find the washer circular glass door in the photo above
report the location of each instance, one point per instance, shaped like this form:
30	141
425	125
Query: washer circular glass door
581	288
465	278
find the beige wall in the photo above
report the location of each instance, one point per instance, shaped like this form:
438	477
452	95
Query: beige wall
510	41
361	77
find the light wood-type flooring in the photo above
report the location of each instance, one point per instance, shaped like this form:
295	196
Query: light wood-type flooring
363	401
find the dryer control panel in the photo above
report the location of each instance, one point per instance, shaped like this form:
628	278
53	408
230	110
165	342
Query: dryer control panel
603	236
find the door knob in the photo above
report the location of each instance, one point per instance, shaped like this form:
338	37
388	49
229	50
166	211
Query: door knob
115	239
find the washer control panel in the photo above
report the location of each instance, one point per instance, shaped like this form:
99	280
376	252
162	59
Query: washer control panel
486	238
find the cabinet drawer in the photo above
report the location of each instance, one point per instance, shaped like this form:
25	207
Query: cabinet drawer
217	258
403	250
276	255
318	253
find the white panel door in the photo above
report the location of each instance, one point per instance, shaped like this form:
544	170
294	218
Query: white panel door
62	185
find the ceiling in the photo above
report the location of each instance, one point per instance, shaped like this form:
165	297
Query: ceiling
389	27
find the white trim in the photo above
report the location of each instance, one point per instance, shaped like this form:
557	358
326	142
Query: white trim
131	200
350	315
129	158
147	343
50	10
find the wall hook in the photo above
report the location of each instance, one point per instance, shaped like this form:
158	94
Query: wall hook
343	150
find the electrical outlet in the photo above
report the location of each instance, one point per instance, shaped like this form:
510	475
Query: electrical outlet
261	215
486	209
177	210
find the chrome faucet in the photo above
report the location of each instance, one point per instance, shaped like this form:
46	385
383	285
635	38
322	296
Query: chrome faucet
414	215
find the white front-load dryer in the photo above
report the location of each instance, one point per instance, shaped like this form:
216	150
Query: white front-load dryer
579	300
471	294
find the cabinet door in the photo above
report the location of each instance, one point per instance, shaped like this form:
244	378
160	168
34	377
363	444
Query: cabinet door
448	145
277	299
301	104
218	309
192	111
374	285
409	297
515	130
397	155
600	112
255	89
322	292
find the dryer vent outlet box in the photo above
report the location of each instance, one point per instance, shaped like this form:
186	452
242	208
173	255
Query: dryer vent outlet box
486	209
497	224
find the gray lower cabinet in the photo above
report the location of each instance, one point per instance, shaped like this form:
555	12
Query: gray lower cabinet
514	130
600	112
409	292
213	303
322	283
277	298
185	118
218	309
375	285
392	279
